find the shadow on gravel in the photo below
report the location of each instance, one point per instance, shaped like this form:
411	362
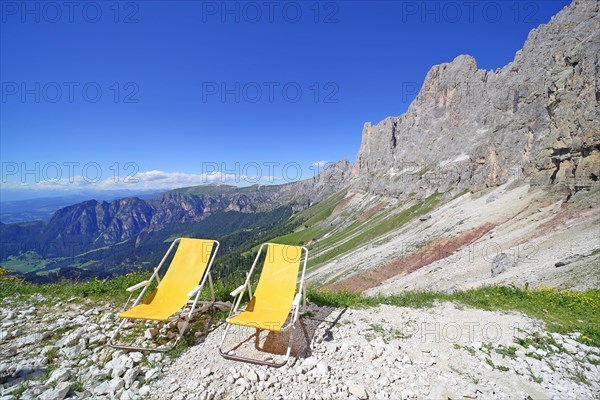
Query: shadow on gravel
208	323
22	374
272	346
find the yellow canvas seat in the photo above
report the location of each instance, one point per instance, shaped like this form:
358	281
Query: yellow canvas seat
275	296
183	280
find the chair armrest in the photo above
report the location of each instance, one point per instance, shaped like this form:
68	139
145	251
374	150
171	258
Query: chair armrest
297	299
237	291
137	286
194	291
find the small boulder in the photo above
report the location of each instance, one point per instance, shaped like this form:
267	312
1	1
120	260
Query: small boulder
220	306
72	352
33	338
58	393
150	333
144	391
383	382
262	375
130	376
357	390
252	376
136	357
501	263
151	374
59	375
310	362
491	198
322	368
69	339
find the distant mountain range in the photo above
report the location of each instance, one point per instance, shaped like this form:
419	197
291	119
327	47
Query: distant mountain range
42	208
99	236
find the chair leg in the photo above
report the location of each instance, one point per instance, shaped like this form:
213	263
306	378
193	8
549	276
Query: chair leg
189	318
223	338
112	343
290	343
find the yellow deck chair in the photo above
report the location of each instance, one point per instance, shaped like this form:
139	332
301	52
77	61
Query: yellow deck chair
274	300
181	285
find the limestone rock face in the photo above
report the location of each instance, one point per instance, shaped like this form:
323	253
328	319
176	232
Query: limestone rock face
537	118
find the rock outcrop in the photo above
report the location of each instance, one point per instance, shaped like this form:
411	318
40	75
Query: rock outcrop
537	118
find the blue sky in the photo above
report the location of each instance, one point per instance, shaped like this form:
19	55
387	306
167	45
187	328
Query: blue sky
174	93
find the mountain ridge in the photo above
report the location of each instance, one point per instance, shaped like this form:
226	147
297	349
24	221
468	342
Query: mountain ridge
536	117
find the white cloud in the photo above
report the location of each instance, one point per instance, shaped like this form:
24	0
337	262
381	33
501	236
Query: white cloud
153	179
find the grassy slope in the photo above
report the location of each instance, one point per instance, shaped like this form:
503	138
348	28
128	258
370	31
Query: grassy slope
26	262
309	220
358	233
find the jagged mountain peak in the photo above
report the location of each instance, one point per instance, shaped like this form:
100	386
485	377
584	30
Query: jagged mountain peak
537	117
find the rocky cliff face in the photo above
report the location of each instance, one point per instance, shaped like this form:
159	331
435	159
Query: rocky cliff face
100	222
536	118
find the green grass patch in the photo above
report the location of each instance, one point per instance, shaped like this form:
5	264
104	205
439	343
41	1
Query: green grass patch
387	335
106	289
52	355
579	377
77	386
421	173
322	210
470	349
460	194
541	342
494	366
563	311
356	300
510	351
21	389
534	378
302	236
